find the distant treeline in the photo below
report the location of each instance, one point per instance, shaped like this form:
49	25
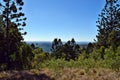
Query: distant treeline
46	46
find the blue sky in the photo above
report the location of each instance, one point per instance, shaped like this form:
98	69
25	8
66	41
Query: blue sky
65	19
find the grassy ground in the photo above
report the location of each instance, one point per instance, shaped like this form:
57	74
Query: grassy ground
62	74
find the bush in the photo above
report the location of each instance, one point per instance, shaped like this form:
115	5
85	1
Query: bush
116	64
39	57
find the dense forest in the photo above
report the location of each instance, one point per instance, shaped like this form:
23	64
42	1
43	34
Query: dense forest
16	54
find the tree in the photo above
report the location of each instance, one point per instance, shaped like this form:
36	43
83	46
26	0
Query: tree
69	50
56	44
13	18
26	56
33	46
109	25
89	49
14	46
56	48
2	42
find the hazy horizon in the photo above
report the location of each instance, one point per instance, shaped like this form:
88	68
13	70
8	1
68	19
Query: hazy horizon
52	40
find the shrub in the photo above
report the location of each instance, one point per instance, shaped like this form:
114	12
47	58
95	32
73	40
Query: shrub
116	64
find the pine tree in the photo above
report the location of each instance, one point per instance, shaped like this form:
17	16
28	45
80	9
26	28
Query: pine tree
2	43
71	50
109	25
13	19
56	48
67	51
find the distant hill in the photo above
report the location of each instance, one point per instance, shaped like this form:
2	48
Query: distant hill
46	46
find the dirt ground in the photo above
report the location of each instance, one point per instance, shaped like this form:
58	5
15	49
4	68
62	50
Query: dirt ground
63	74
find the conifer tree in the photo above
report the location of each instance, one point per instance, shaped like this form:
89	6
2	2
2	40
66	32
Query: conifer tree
68	50
14	21
2	42
109	25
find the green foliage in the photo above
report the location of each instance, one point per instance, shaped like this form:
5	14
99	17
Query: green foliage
11	21
2	41
90	48
108	25
116	64
26	56
98	57
109	53
57	48
39	57
58	64
67	51
118	51
37	51
33	46
95	54
16	54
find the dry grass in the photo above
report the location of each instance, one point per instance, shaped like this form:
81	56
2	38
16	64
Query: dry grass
63	74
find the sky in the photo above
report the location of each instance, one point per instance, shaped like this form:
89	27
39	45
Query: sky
64	19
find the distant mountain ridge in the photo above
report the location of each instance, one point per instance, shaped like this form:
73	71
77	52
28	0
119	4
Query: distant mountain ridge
46	45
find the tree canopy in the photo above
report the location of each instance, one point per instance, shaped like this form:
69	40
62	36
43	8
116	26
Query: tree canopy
109	25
